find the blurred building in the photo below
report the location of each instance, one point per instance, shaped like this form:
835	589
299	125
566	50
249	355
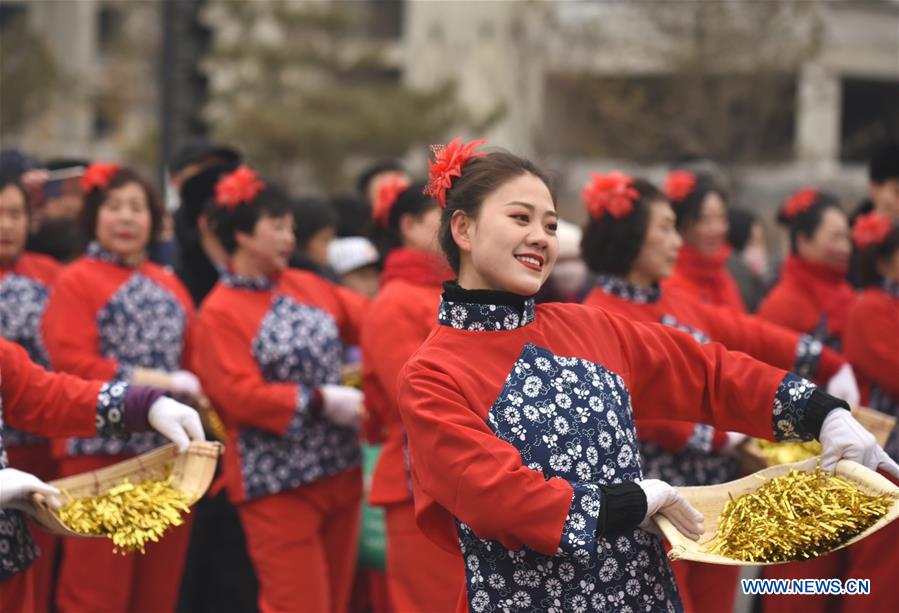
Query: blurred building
105	95
557	71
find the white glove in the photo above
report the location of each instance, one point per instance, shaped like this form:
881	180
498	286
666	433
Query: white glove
185	383
843	385
342	405
843	438
17	487
734	440
664	499
177	422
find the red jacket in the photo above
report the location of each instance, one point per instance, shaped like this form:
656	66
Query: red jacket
24	290
706	278
737	331
265	346
871	343
809	298
515	417
105	319
48	404
397	323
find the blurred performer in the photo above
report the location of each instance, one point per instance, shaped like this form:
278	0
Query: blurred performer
112	313
420	575
271	361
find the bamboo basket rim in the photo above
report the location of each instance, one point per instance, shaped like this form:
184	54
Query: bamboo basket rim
879	424
192	473
710	499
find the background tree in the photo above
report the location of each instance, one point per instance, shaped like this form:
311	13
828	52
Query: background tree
305	82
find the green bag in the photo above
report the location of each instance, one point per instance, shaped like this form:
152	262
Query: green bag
372	536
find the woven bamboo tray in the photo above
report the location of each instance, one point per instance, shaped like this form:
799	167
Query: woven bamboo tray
192	472
709	500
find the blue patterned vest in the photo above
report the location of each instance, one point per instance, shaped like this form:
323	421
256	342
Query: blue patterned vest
296	343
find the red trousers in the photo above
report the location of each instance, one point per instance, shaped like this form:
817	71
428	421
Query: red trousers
17	593
706	587
38	460
420	575
303	544
93	578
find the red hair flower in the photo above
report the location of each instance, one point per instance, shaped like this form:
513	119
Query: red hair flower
679	184
613	193
799	202
98	176
870	229
448	162
238	187
388	191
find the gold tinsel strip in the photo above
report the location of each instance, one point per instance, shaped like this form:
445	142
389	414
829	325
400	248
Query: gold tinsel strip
130	514
787	453
797	516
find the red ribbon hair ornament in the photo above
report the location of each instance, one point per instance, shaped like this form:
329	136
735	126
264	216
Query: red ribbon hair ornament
238	187
613	193
447	165
98	175
870	229
799	202
678	185
386	195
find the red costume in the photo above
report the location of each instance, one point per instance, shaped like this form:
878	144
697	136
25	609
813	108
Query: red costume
682	453
706	278
33	400
24	288
267	346
104	319
519	418
810	298
420	575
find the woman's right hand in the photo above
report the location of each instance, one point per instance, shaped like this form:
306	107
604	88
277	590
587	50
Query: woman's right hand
663	499
342	405
17	487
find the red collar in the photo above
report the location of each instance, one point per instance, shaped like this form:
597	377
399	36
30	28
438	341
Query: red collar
415	266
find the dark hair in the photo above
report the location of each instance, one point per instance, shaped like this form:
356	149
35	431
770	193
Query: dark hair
689	210
8	179
353	215
866	262
740	222
609	245
95	198
806	223
227	221
310	215
481	176
373	170
884	163
411	201
61	239
199	189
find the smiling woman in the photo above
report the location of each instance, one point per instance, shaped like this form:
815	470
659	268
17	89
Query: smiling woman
530	450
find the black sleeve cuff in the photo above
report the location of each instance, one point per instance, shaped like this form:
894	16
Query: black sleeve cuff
623	508
816	409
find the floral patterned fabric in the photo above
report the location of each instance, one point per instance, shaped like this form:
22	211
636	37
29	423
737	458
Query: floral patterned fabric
789	407
297	343
142	325
22	303
616	286
17	550
485	317
808	354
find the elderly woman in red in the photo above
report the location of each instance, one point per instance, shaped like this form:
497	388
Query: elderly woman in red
33	400
631	244
701	210
271	362
520	417
812	295
112	313
25	280
421	576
